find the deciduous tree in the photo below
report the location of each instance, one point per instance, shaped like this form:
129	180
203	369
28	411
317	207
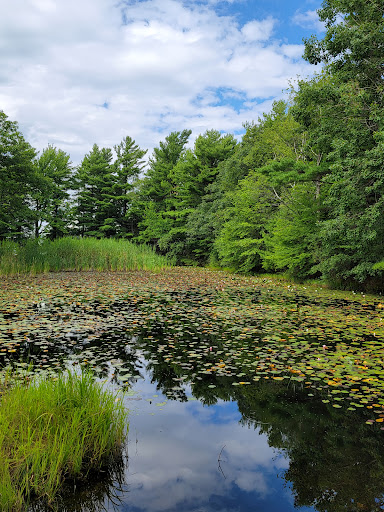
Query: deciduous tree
17	179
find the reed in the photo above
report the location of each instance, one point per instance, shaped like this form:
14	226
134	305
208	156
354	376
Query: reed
52	430
77	254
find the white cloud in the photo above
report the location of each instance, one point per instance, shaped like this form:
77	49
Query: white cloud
147	61
258	30
309	20
293	51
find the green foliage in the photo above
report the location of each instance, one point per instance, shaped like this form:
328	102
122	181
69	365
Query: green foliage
276	136
50	196
203	225
199	196
291	234
128	166
17	179
175	187
52	430
354	42
210	150
95	210
157	184
157	189
343	113
37	256
240	241
332	112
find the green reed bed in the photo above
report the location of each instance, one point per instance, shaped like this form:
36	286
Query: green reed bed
79	254
52	430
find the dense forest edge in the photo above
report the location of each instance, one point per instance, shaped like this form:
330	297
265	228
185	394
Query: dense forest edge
300	193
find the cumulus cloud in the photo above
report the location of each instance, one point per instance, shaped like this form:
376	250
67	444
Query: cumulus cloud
309	20
75	73
258	30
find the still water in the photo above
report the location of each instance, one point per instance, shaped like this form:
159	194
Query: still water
186	456
258	449
235	404
198	447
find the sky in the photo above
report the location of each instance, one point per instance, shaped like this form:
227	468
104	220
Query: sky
78	72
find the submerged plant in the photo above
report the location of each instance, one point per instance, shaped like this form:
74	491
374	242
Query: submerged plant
53	430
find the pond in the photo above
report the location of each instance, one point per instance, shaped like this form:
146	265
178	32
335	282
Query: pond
244	394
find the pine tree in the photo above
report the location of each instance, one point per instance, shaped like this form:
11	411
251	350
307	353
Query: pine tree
96	210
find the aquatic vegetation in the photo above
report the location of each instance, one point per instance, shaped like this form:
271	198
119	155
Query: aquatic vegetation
203	325
78	254
52	430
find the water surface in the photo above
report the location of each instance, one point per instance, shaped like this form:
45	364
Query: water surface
184	456
244	395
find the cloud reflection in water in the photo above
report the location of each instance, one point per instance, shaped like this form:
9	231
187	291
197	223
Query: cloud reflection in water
184	457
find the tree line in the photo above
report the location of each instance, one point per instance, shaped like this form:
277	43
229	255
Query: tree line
301	192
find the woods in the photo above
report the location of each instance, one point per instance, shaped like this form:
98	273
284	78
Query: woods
301	191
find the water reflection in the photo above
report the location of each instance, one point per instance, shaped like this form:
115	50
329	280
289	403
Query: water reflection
184	456
101	491
263	446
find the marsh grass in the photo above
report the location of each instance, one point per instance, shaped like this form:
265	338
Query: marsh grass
53	430
77	254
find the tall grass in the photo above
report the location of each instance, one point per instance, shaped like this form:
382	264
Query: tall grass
51	430
36	256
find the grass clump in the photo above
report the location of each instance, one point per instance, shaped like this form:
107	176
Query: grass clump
52	430
77	254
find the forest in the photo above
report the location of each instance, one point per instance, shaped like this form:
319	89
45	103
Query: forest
302	192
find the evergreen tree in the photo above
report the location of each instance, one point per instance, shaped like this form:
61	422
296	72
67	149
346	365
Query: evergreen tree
128	166
200	198
96	211
158	188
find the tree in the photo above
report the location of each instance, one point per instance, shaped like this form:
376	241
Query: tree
240	242
17	179
290	235
50	197
211	149
128	166
157	189
353	45
351	238
275	155
195	175
343	110
157	184
95	210
176	184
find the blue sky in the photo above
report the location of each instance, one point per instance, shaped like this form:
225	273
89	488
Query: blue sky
76	73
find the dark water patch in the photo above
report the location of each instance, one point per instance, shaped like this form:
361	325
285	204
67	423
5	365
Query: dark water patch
99	491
